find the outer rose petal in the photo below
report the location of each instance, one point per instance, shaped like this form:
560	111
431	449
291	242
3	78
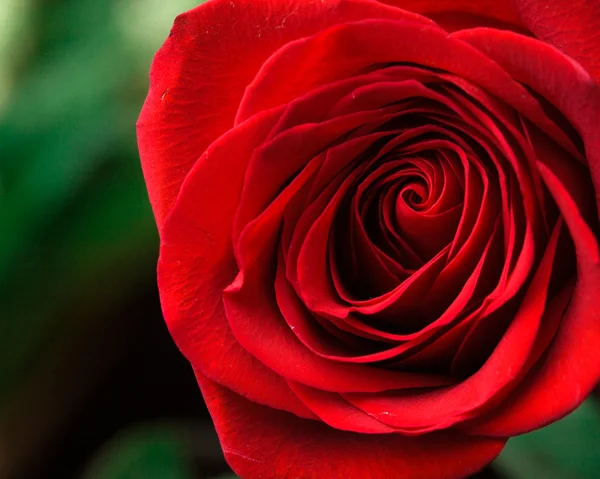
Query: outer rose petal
345	51
572	26
571	368
196	264
501	10
261	443
553	75
200	73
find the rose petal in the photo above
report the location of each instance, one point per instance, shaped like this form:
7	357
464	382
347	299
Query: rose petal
572	26
571	368
501	11
423	412
199	75
553	75
197	263
261	443
258	325
338	413
352	48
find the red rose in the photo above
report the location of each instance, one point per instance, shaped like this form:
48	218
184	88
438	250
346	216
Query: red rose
379	226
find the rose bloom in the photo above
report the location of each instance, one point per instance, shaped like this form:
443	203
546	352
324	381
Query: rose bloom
379	226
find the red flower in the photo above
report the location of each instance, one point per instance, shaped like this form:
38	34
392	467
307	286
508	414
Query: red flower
379	226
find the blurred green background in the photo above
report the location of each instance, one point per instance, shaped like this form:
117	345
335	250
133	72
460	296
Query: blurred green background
90	383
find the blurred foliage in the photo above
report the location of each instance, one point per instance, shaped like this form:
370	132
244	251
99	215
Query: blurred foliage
151	452
77	229
73	205
569	448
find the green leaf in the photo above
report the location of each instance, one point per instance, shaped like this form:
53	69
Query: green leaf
150	452
569	448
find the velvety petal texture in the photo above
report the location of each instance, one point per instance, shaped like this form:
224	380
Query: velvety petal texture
573	27
379	226
286	447
194	93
